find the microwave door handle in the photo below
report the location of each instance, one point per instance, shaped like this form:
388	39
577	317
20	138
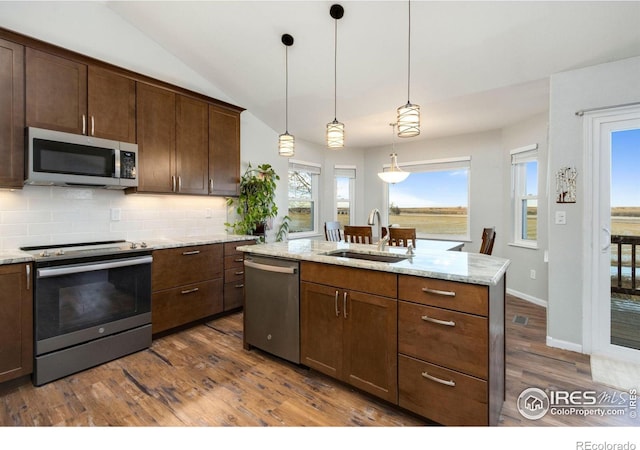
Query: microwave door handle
116	163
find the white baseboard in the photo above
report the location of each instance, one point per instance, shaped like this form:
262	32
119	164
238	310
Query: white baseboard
529	298
565	345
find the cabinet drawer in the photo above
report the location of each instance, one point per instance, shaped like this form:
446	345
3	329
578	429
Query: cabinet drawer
448	397
230	247
470	298
186	265
233	295
234	261
362	280
235	274
174	307
447	338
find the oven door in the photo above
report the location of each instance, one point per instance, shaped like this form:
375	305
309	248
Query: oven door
80	302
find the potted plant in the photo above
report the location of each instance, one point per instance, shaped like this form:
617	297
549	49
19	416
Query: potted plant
255	205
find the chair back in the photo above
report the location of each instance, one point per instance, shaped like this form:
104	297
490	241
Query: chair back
402	236
358	234
332	231
488	238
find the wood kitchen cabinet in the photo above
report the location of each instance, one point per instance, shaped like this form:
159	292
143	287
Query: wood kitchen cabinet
348	330
11	115
234	274
16	321
451	350
186	284
172	142
224	151
67	95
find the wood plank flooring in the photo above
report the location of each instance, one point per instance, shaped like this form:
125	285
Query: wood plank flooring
202	377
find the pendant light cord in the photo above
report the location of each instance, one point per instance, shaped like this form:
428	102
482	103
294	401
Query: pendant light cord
286	90
409	58
335	71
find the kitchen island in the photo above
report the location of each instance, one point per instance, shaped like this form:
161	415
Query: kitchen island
423	331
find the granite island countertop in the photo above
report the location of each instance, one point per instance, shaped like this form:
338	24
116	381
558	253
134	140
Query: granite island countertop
474	268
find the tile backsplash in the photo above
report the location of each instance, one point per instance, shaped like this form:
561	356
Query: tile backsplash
38	215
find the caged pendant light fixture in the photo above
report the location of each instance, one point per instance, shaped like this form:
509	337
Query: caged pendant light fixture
395	174
286	142
335	129
409	114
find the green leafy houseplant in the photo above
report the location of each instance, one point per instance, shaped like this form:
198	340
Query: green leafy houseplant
255	204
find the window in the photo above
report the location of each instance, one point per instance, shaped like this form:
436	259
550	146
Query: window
345	177
303	198
434	199
524	168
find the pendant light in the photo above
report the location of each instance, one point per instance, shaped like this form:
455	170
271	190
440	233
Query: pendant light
286	142
335	129
409	114
395	174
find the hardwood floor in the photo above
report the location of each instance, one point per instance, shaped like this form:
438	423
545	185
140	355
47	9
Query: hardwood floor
202	377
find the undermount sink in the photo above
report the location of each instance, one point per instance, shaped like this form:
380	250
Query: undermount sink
388	258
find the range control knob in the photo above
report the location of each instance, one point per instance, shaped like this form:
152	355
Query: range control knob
143	244
44	253
134	245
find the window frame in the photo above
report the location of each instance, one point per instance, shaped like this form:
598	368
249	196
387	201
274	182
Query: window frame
520	157
435	165
350	172
315	170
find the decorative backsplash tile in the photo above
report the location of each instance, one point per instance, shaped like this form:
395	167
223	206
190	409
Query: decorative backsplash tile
39	215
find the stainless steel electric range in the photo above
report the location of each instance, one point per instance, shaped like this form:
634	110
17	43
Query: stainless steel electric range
92	304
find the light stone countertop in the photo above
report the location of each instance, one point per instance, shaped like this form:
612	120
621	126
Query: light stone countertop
17	256
465	267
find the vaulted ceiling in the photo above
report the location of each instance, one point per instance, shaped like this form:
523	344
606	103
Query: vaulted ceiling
474	65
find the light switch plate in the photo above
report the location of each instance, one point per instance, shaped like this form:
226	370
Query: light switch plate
561	217
115	214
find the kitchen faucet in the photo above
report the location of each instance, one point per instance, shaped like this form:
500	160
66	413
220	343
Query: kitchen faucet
372	221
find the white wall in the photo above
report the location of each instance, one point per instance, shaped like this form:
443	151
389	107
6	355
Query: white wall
593	87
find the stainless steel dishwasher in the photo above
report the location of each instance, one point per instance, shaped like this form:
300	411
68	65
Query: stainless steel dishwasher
271	306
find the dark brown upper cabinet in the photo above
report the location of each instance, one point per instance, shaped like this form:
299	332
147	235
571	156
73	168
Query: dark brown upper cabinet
66	95
192	145
11	114
224	151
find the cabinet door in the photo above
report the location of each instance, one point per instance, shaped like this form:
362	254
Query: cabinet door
192	148
321	328
156	119
16	321
112	105
224	151
56	92
370	342
11	114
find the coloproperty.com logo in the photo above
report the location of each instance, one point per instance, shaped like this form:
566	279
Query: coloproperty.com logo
534	403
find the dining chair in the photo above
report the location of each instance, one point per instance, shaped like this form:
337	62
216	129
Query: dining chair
488	238
332	231
358	234
402	236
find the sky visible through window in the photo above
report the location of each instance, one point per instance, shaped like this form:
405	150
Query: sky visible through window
431	189
625	168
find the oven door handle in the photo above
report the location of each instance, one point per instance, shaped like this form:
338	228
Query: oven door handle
79	268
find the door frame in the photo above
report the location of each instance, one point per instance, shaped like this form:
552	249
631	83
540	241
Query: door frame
592	317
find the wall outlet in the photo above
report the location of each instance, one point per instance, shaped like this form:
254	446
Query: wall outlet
561	217
208	213
115	214
532	274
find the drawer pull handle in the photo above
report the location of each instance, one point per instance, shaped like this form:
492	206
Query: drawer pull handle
195	252
239	260
438	380
449	323
240	273
438	292
239	286
190	291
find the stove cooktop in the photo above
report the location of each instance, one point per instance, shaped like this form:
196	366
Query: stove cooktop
83	249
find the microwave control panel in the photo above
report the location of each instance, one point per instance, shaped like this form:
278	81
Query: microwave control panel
128	165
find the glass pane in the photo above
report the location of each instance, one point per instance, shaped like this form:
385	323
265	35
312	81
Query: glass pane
531	169
625	239
343	201
301	214
435	203
529	219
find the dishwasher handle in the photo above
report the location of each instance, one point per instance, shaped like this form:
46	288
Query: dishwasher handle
269	268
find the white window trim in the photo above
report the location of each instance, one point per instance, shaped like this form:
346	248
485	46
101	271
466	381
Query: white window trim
520	155
435	165
316	169
352	190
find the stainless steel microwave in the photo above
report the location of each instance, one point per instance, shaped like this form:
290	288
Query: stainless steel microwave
54	158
